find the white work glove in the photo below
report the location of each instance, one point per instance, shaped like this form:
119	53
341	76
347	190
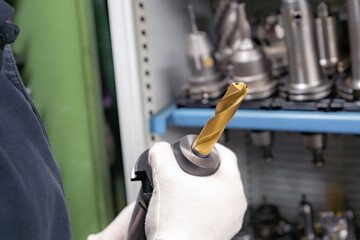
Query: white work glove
118	228
184	206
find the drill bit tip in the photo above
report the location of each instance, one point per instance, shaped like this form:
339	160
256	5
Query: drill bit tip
224	112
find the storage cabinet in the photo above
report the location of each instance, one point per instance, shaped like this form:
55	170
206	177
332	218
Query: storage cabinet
149	42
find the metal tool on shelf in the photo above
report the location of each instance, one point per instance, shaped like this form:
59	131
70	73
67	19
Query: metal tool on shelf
205	81
242	29
306	216
349	88
251	66
305	82
272	37
226	29
263	140
250	63
349	214
267	223
220	8
267	217
326	36
327	224
316	142
196	155
334	226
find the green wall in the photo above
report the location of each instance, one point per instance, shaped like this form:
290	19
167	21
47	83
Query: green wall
58	44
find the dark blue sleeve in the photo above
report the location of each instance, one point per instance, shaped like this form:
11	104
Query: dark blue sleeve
32	201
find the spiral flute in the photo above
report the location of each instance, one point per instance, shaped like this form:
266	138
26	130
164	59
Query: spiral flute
224	112
195	155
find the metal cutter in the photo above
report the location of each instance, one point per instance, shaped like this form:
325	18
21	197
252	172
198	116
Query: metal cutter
196	155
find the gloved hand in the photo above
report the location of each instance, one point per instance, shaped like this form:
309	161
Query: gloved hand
117	229
189	207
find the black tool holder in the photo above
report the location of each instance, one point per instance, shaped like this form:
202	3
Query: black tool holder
141	172
188	161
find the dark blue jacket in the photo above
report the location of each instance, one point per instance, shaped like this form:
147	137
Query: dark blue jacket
32	201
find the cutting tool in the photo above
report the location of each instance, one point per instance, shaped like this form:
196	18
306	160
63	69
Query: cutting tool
196	155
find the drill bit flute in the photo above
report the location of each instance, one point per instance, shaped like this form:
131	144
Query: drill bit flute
196	155
224	112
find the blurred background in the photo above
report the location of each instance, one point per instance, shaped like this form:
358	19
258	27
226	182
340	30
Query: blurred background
110	78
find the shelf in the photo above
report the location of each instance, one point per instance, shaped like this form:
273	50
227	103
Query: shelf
298	121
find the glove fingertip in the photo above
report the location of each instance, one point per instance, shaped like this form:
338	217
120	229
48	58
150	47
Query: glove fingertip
225	152
160	154
229	160
160	147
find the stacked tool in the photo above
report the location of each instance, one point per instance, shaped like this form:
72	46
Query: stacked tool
205	81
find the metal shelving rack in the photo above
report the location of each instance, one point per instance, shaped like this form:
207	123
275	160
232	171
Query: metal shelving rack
148	71
149	42
274	120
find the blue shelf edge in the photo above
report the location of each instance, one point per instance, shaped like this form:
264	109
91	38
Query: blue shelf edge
279	120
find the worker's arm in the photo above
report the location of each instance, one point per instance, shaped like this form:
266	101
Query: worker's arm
184	206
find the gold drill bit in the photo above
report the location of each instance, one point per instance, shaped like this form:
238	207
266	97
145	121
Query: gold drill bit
224	112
